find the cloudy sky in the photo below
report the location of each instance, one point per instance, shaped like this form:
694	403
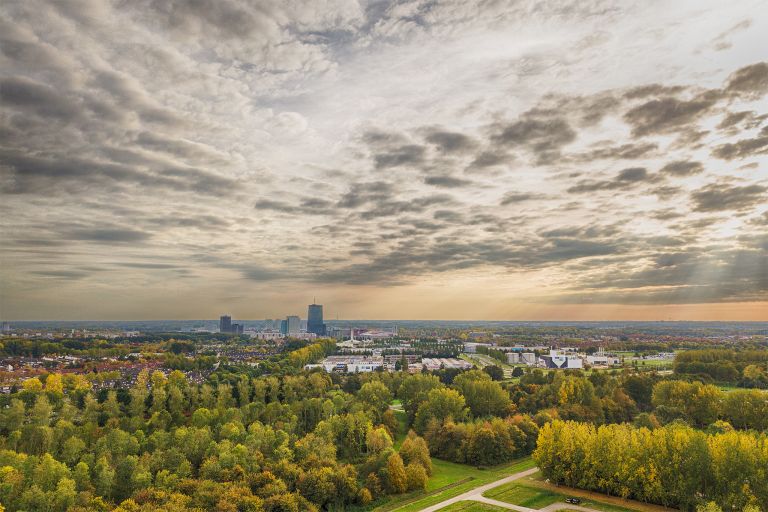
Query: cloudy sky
463	159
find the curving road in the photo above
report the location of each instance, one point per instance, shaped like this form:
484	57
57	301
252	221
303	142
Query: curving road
476	494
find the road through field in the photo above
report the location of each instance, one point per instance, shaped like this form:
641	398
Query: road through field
476	494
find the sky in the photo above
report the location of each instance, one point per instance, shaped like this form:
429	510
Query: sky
463	159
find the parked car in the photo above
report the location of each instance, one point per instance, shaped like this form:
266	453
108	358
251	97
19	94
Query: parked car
573	501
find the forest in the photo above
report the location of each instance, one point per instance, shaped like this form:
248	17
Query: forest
279	438
673	465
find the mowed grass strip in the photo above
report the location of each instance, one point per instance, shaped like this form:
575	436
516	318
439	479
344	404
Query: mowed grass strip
449	480
524	495
471	506
533	492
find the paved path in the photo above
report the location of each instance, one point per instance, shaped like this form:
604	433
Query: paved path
476	494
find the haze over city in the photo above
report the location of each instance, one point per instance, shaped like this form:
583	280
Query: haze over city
409	160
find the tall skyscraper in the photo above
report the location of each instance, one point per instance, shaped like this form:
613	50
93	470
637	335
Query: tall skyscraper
315	319
225	323
293	324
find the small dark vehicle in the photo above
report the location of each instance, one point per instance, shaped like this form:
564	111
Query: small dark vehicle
574	501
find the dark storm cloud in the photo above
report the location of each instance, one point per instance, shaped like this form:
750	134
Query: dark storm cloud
629	151
450	142
761	220
414	254
750	82
308	205
392	208
626	178
129	94
27	95
645	91
147	266
381	138
747	119
519	197
180	148
277	206
199	180
180	220
446	181
489	159
414	257
68	275
258	273
689	276
669	114
743	148
34	174
226	19
544	137
448	216
107	235
682	168
35	55
317	204
667	214
717	197
359	194
666	192
409	154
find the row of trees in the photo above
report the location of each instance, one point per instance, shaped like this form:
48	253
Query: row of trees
482	442
703	404
674	465
747	368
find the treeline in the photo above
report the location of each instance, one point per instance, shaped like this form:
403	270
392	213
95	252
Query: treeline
271	443
497	354
598	398
644	399
482	442
311	353
15	347
704	404
746	368
472	420
675	465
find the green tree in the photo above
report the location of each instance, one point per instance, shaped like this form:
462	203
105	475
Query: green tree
416	477
415	450
441	404
397	482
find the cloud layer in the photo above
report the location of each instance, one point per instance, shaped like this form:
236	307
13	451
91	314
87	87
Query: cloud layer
556	154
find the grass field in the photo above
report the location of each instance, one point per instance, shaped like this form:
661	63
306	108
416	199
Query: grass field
534	492
402	420
471	506
449	480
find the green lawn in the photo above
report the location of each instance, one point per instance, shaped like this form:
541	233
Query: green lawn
519	494
471	506
450	479
533	492
402	420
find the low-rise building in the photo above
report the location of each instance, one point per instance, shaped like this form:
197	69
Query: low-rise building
560	360
437	363
349	364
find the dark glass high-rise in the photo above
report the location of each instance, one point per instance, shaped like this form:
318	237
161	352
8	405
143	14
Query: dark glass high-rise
225	323
315	319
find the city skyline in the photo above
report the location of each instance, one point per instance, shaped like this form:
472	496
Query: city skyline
406	160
